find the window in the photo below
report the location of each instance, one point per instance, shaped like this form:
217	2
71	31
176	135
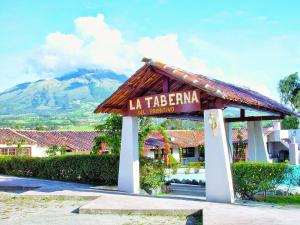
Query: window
188	152
13	151
159	153
4	151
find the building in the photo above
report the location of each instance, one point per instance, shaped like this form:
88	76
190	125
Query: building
188	146
280	143
35	143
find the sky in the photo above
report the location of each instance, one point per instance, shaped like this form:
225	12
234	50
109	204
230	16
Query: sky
249	43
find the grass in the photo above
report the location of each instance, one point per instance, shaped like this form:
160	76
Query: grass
284	200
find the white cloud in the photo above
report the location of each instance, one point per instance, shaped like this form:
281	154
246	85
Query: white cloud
95	44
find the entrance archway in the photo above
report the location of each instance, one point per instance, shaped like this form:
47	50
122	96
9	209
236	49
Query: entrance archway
160	90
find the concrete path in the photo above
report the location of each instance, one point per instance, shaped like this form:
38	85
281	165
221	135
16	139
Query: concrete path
140	205
116	202
51	187
213	213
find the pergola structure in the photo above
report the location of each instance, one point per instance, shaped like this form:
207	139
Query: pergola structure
160	90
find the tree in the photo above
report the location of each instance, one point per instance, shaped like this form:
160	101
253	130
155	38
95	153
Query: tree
173	124
54	150
40	128
110	134
289	90
290	122
19	147
241	145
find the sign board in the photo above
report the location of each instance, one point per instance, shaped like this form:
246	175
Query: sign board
165	103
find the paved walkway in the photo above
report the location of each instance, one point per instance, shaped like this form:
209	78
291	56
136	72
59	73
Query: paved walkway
116	202
51	187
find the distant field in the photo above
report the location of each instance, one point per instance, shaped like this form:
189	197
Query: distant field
87	121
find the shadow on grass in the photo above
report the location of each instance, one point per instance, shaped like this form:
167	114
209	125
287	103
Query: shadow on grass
195	218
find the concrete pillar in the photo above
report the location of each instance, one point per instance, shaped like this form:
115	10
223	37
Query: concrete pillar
257	148
228	130
293	152
219	186
129	177
277	125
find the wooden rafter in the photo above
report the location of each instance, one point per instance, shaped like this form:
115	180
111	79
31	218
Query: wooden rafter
253	118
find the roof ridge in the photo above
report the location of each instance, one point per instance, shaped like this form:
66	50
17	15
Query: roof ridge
28	138
44	131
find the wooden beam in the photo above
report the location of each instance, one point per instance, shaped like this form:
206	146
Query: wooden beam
113	106
217	103
180	116
257	108
253	118
166	86
242	112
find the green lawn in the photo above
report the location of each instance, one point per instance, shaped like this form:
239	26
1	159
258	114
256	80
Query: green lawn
284	200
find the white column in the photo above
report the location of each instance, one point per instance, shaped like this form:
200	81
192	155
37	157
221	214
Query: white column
219	186
228	130
129	177
293	152
257	148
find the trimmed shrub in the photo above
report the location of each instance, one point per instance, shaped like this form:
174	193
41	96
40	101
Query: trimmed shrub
196	164
152	173
250	178
99	169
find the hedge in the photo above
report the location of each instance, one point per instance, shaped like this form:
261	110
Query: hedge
196	164
251	178
152	173
97	169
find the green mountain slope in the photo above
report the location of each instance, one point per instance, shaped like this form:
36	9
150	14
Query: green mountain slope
64	102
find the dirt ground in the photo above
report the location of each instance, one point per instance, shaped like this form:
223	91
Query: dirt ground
35	210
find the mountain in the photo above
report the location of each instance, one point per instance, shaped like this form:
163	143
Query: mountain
71	97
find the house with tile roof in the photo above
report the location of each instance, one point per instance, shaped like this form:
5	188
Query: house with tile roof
188	145
35	143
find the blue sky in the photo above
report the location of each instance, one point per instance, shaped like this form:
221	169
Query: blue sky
248	43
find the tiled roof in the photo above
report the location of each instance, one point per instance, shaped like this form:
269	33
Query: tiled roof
177	138
189	138
75	140
8	136
152	71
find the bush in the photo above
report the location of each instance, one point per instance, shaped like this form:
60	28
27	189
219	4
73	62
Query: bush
99	169
187	170
173	164
152	173
196	164
250	178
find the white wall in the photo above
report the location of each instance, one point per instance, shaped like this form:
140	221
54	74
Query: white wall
150	153
38	151
176	154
